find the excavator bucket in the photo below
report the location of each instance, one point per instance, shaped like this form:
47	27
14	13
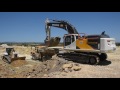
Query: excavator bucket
54	41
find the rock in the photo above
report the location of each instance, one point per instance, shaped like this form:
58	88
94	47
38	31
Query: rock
70	65
76	64
33	70
76	68
46	70
64	74
67	67
54	57
66	70
45	75
28	76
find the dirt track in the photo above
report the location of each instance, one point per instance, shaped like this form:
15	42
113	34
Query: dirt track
60	68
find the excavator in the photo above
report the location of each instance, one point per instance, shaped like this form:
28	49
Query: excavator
94	47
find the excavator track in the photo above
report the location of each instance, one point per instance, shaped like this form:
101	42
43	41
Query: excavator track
91	59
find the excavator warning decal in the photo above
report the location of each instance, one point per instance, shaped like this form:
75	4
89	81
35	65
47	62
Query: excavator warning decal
81	42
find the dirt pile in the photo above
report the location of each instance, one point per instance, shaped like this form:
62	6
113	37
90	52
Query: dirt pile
23	50
18	63
6	70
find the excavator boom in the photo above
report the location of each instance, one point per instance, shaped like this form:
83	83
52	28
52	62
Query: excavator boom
64	25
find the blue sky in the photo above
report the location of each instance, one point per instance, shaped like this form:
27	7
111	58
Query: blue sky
30	26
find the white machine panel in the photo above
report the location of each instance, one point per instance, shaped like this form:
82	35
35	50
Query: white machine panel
107	45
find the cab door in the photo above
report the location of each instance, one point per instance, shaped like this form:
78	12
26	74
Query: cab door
69	42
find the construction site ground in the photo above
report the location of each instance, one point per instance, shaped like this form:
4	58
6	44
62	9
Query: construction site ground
59	67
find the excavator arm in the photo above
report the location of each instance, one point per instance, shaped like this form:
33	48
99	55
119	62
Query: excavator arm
64	25
59	24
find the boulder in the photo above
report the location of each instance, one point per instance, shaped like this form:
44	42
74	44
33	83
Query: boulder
76	68
70	65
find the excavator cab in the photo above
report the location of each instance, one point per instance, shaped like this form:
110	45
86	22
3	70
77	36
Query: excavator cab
70	40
